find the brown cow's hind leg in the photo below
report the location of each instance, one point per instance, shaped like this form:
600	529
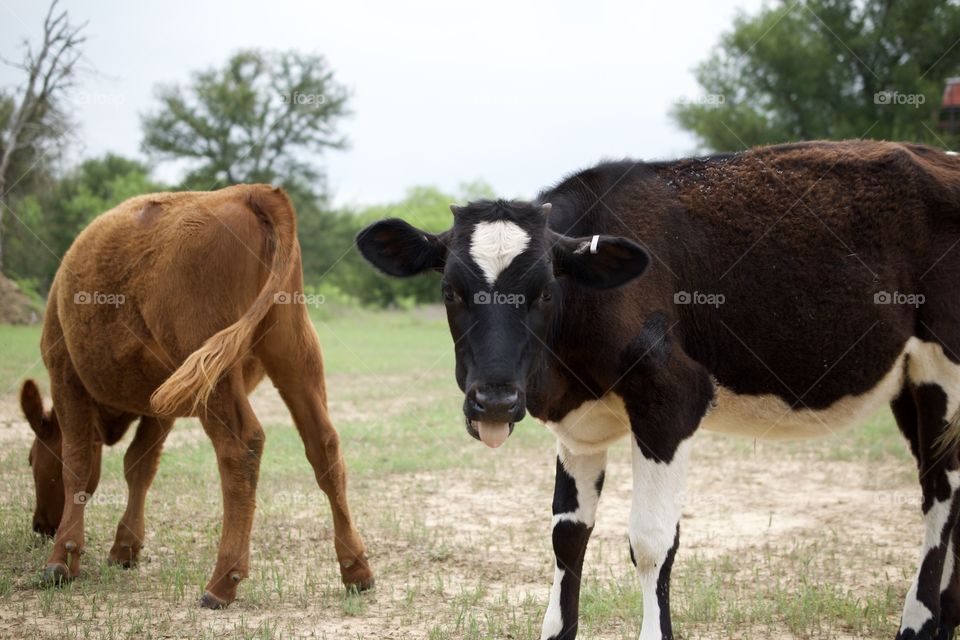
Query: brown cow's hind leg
322	444
139	467
238	441
296	369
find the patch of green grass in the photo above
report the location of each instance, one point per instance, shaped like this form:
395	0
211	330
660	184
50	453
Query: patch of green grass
19	357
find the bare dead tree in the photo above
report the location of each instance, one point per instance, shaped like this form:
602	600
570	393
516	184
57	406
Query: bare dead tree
35	119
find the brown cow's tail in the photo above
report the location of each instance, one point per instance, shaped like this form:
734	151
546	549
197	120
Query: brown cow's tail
196	378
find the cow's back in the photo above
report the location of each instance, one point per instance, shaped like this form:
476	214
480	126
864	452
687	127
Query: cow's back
792	271
147	282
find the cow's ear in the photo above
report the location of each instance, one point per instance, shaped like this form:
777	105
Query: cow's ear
32	404
601	262
399	249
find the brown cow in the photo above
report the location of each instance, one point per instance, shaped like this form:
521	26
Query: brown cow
177	304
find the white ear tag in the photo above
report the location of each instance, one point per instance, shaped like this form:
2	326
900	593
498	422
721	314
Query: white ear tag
593	244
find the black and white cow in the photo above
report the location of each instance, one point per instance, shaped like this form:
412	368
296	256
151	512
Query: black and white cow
786	291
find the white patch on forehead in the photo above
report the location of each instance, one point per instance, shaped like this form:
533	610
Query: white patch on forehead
494	245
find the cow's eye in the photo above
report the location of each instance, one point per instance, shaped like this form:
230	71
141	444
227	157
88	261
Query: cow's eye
546	296
449	295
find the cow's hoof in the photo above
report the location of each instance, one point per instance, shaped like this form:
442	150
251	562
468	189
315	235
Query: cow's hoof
125	556
123	564
210	601
360	587
55	575
358	576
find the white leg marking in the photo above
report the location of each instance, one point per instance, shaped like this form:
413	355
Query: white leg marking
657	493
915	613
494	245
948	565
928	364
553	621
585	470
651	607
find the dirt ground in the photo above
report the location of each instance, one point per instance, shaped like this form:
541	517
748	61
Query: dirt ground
480	537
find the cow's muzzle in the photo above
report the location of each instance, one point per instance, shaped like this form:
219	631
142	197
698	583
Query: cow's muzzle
491	412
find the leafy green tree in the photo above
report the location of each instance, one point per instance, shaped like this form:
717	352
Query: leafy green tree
330	258
260	118
827	69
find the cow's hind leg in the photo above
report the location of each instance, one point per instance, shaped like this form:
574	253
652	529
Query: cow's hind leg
575	496
238	441
925	411
139	467
950	597
79	451
294	363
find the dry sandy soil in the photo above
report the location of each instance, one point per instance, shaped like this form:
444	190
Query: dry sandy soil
473	542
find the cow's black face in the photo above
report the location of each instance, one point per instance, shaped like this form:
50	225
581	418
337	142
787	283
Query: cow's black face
500	264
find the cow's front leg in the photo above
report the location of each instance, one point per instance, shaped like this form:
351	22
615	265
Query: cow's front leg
666	400
658	487
575	496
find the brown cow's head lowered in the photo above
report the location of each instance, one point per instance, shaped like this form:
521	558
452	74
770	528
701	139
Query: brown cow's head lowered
502	273
44	460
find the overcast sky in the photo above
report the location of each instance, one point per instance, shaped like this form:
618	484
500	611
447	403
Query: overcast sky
516	93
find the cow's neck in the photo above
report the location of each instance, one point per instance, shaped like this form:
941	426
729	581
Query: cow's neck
560	382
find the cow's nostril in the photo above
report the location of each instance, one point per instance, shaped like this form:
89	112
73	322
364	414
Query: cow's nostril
496	403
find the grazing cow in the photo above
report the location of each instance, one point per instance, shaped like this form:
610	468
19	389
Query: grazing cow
178	304
791	291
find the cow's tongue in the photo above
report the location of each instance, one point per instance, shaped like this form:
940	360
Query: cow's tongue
493	434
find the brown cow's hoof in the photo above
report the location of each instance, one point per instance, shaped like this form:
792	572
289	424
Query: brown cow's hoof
358	576
123	564
124	556
360	587
210	601
55	575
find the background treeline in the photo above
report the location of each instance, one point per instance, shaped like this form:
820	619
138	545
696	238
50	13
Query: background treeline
49	219
794	70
